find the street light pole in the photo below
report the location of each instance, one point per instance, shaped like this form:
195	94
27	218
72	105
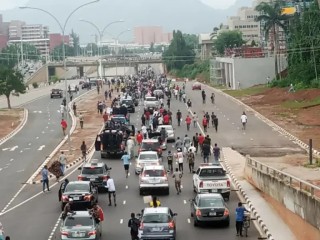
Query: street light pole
101	33
63	28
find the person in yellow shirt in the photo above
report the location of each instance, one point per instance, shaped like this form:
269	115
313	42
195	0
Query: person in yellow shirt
155	202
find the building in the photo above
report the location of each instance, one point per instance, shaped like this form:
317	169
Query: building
206	45
151	34
246	24
56	39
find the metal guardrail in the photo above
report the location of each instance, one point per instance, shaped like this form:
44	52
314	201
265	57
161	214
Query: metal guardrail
290	180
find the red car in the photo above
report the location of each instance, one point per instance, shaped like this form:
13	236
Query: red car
196	86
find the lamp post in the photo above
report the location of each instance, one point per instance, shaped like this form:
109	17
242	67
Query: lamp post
101	33
117	42
62	28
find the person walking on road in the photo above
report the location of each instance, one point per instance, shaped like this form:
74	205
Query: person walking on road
195	119
201	140
63	162
204	123
126	163
83	149
215	122
212	98
45	178
177	175
74	108
216	153
64	126
208	119
139	138
170	160
81	120
244	120
240	210
134	225
179	116
67	209
130	147
203	93
179	159
111	190
190	159
188	122
195	141
206	152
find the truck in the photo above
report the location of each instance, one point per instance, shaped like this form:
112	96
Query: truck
211	178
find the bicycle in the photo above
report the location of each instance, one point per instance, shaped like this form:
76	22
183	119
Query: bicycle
246	223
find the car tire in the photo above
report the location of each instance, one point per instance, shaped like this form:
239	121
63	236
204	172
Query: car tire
167	192
133	110
226	224
141	192
62	206
191	214
195	222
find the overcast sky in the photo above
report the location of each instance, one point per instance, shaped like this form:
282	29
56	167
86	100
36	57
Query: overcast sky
217	4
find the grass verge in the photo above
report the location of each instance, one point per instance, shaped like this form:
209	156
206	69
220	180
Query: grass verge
247	91
294	104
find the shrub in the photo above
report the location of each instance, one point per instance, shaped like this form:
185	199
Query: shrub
35	85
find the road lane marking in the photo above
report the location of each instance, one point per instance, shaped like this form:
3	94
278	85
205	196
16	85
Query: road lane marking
121	221
5	149
43	132
11	159
128	174
19	171
188	220
29	144
21	151
185	201
124	202
41	147
55	228
228	119
37	137
127	187
232	123
13	148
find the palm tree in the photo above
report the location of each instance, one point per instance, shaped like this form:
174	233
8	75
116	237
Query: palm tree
271	15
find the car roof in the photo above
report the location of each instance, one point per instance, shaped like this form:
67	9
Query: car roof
79	182
156	210
93	164
165	126
81	214
150	140
148	152
209	195
153	167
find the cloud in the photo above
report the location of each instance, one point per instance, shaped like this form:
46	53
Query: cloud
8	4
218	4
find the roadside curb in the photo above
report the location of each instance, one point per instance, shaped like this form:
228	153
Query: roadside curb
17	129
64	140
262	225
269	122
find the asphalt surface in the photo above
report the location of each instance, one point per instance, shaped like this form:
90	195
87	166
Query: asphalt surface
25	152
43	209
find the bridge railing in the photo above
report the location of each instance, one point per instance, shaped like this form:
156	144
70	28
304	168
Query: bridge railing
291	180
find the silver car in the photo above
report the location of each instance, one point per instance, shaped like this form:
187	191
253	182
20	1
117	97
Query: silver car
151	102
157	223
153	178
169	130
80	225
146	158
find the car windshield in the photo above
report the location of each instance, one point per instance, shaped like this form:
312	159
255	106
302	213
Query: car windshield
154	173
168	128
92	170
211	202
152	156
78	221
119	119
151	99
127	102
212	172
150	146
156	218
77	188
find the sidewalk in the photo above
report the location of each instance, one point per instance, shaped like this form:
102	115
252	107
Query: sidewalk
273	221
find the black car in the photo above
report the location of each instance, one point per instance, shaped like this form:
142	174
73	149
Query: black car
85	85
84	194
209	208
129	105
95	172
56	93
111	142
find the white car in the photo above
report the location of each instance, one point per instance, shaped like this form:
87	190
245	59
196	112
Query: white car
151	102
73	88
146	158
169	130
153	177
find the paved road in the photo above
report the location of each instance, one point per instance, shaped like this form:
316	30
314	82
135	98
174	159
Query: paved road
44	209
22	154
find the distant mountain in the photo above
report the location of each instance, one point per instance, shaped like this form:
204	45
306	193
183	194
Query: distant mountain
190	16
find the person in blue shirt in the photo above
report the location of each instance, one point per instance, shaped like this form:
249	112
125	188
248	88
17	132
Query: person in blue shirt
45	178
240	210
126	162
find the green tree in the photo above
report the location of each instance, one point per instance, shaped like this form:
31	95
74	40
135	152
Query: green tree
253	43
76	43
151	48
228	39
178	53
92	48
273	19
192	40
10	80
57	52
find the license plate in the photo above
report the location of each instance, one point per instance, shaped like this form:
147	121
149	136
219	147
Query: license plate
154	181
78	234
76	198
212	214
156	229
92	179
214	190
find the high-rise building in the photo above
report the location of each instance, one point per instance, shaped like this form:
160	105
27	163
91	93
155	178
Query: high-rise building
151	34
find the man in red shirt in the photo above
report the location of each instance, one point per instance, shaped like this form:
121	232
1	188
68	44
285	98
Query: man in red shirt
105	116
147	114
139	138
64	126
166	119
188	122
201	140
204	123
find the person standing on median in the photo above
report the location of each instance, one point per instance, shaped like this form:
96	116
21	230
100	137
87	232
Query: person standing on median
63	162
45	178
83	149
64	126
81	119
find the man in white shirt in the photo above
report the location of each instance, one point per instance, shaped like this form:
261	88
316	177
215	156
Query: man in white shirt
160	120
155	113
111	190
192	148
179	159
244	120
63	162
144	132
130	146
195	119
